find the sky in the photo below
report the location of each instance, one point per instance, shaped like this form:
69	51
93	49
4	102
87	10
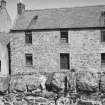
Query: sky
43	4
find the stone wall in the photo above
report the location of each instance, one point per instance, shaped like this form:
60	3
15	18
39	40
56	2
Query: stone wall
84	48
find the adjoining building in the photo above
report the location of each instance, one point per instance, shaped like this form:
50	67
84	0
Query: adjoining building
57	40
5	25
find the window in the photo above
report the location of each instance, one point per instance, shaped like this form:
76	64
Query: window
29	60
103	17
103	36
103	13
0	65
103	59
64	61
28	37
64	36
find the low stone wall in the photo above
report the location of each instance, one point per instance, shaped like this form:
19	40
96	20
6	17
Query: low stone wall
26	82
46	89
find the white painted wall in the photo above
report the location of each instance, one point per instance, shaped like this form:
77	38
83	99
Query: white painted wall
4	61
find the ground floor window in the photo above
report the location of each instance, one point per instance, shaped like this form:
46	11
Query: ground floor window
29	60
103	59
64	61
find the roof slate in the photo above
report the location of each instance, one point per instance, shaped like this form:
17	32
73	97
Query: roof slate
75	17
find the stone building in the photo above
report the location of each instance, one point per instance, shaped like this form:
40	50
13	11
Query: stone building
57	40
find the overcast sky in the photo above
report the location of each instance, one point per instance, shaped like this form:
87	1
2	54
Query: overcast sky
40	4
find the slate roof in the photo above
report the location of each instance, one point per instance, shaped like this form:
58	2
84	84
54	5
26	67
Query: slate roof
75	17
5	20
5	25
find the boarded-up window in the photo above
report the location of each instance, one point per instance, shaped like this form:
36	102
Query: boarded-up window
28	37
64	61
64	36
29	60
103	58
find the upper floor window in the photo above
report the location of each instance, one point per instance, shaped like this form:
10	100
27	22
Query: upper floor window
64	36
64	61
103	36
102	18
28	37
29	59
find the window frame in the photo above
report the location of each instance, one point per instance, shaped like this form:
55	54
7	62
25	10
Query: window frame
64	36
28	37
68	61
102	35
28	63
0	65
102	59
103	18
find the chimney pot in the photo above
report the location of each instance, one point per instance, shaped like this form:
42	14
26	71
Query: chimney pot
3	4
20	8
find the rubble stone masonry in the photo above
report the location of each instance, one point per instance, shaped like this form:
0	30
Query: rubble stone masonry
84	47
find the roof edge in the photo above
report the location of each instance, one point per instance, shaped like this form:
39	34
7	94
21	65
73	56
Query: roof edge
75	28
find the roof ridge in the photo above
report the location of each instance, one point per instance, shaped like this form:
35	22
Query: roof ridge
64	8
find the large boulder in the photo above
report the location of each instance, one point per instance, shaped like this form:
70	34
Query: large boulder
55	82
88	80
17	84
24	83
84	87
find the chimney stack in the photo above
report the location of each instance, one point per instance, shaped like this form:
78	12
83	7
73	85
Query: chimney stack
20	8
3	4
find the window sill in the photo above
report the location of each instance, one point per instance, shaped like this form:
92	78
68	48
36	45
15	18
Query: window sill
29	66
64	69
102	41
28	44
62	43
103	65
